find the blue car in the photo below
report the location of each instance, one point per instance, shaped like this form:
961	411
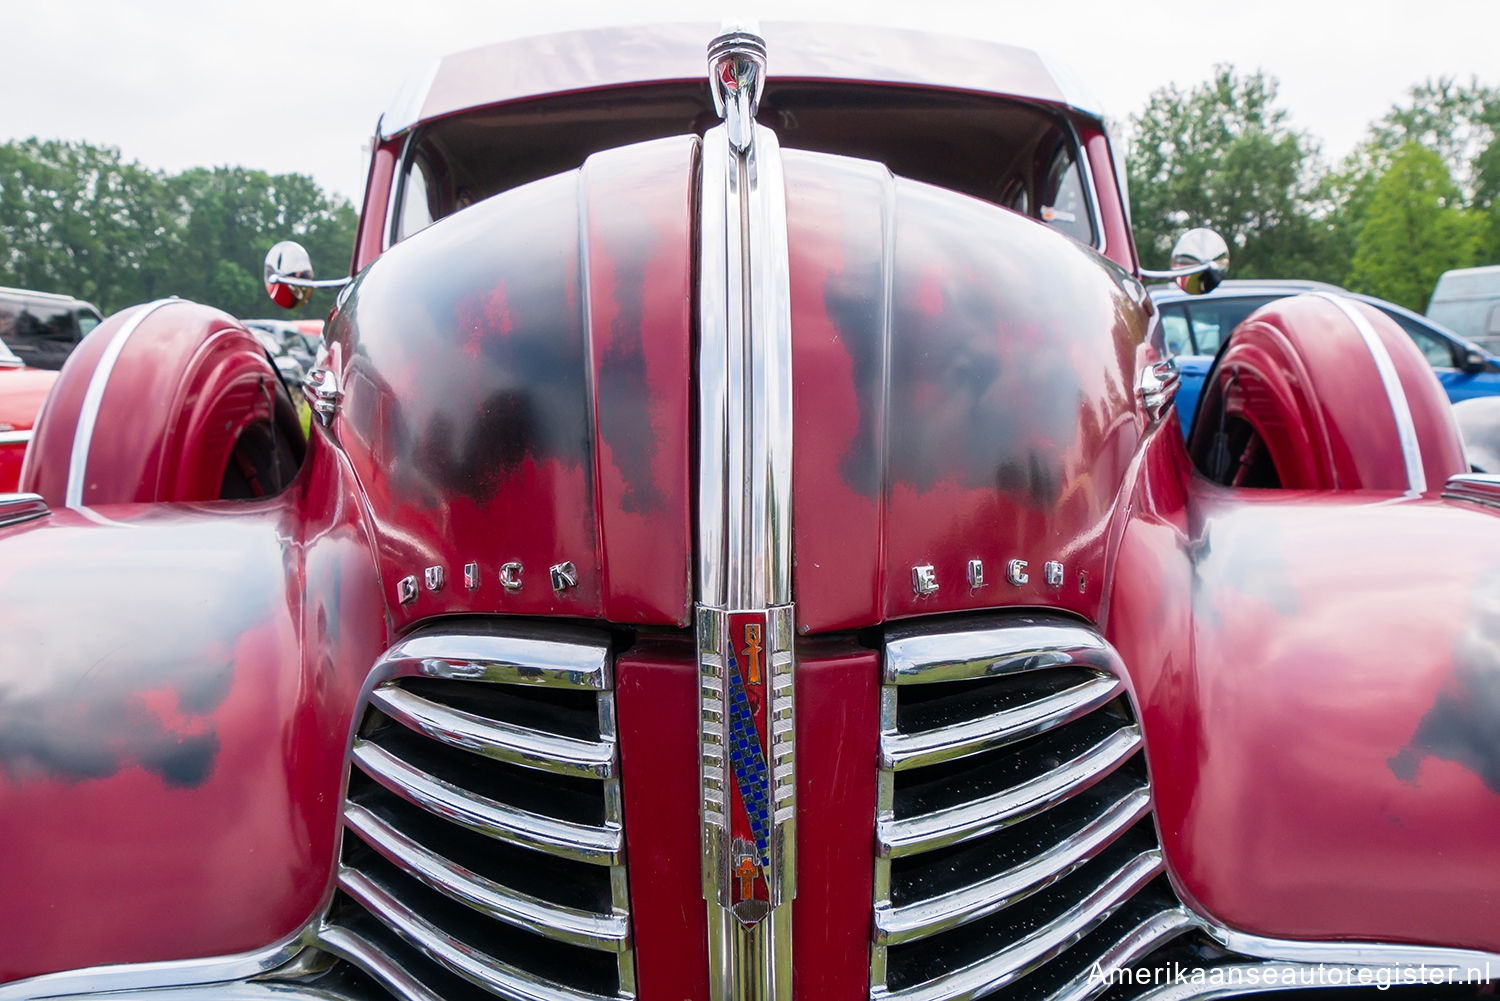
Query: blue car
1194	326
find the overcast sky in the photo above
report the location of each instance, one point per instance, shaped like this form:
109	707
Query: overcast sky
297	85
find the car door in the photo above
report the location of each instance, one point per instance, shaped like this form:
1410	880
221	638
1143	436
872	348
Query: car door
1446	358
1194	330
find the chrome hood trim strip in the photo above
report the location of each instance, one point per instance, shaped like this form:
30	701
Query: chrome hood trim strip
744	616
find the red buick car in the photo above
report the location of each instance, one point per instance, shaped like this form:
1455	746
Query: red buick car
746	549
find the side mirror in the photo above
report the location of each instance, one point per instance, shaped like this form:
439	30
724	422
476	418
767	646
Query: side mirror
1200	260
289	275
1474	360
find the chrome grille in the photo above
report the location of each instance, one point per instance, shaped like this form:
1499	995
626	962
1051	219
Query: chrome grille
1014	840
483	849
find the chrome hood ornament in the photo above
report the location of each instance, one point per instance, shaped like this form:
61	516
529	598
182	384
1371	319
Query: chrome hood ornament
737	75
745	619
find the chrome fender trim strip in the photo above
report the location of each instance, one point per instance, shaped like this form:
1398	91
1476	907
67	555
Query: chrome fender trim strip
1406	429
146	976
88	414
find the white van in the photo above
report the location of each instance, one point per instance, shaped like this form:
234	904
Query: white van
1467	301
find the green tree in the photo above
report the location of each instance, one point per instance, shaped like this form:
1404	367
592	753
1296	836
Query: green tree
231	216
75	218
1460	124
1223	155
1414	229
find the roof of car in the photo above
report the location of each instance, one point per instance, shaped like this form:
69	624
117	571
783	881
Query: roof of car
1248	286
611	57
33	294
1170	292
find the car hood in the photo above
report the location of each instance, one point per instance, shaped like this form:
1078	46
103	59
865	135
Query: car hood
518	381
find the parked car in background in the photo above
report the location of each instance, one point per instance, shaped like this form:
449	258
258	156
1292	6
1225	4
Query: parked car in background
291	366
42	328
1467	300
290	340
744	553
22	390
1194	328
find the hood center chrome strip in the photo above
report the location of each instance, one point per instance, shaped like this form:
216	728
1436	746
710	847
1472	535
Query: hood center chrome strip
745	619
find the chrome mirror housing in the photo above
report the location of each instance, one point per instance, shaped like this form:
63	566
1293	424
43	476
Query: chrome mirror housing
289	275
1205	256
1200	260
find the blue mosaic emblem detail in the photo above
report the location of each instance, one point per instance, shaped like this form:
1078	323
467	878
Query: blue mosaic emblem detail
749	762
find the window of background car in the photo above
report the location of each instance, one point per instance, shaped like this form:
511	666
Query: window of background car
1437	351
1210	320
1174	328
87	320
46	323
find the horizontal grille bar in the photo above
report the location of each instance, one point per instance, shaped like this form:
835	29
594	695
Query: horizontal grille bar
895	838
894	925
566	924
477	656
583	842
901	751
497	739
1140	941
1026	954
927	658
347	945
465	961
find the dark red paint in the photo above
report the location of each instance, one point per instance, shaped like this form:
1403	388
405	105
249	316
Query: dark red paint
838	726
1299	372
640	266
1315	670
1289	676
177	686
494	410
988	415
656	694
22	391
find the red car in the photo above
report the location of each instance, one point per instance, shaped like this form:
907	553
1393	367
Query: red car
22	391
747	550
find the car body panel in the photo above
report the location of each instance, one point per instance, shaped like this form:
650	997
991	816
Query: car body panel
1468	300
598	59
1314	703
188	387
509	441
182	743
22	392
507	450
958	425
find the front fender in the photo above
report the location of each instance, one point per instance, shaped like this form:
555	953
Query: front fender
176	683
1320	701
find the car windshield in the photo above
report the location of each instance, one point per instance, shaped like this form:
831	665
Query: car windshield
1019	155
